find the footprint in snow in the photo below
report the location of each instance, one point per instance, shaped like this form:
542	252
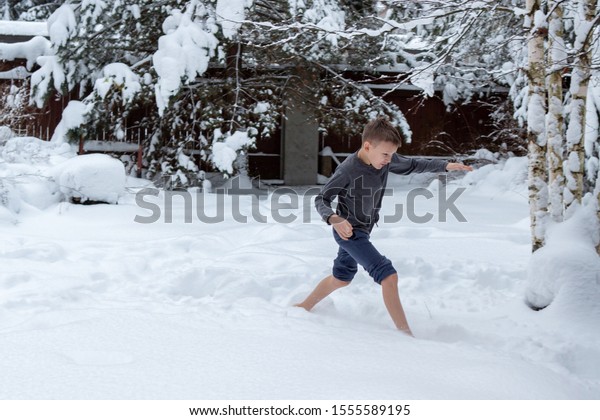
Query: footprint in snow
447	333
98	358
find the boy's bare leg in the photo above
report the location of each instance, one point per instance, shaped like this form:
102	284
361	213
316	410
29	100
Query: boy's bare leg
324	288
391	298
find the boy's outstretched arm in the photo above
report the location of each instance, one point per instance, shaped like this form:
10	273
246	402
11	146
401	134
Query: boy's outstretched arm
457	166
403	165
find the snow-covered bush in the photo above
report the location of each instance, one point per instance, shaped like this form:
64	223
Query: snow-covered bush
565	273
507	176
26	173
41	173
9	197
5	134
91	178
32	151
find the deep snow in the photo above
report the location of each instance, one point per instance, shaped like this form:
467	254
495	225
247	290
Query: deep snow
96	306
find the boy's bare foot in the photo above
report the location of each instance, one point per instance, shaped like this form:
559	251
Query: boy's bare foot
408	332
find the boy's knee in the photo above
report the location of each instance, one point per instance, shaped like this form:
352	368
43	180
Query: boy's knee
391	280
382	270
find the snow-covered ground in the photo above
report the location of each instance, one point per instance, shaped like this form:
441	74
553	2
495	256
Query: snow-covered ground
94	305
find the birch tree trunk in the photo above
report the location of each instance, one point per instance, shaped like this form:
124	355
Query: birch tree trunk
597	194
580	77
536	127
554	120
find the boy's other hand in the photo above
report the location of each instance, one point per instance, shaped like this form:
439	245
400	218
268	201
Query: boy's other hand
457	166
341	226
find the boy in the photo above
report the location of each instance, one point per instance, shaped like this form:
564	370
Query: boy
359	183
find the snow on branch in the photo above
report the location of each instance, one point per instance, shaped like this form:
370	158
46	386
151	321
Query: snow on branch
225	148
183	53
29	50
62	25
118	75
231	15
50	74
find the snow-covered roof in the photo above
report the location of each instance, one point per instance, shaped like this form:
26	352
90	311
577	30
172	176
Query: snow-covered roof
21	28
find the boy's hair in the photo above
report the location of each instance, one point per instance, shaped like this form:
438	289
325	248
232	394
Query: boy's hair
381	129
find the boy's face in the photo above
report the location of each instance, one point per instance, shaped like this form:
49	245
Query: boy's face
380	153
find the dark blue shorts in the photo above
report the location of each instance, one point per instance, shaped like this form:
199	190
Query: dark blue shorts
359	250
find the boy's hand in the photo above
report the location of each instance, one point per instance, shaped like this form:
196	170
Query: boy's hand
457	166
341	226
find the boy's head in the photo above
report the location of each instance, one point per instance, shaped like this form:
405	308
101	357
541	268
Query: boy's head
381	130
380	141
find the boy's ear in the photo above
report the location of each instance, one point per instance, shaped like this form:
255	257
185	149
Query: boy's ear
366	145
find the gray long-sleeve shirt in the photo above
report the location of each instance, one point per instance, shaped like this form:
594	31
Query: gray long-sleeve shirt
359	187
